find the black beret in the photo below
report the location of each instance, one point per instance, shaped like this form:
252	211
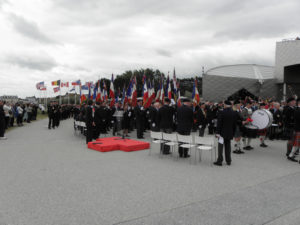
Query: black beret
227	102
237	102
290	99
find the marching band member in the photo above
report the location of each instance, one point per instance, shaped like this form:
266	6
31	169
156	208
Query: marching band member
288	118
262	133
238	129
248	134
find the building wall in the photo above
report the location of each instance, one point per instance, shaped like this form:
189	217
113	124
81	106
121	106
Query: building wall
287	53
218	88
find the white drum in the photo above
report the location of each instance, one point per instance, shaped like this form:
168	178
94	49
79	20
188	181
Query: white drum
262	119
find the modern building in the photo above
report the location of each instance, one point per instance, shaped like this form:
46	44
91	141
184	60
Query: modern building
233	80
279	82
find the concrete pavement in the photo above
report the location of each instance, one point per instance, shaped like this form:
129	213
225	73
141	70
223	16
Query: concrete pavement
50	177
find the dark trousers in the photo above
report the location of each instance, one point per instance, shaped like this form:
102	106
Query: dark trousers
29	117
19	119
51	123
165	149
227	145
89	134
6	122
139	129
183	152
2	128
202	130
12	121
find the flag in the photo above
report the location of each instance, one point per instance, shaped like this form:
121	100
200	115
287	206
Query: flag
134	93
175	85
66	84
84	87
179	99
98	97
77	82
40	85
56	89
195	95
112	92
157	99
104	94
123	96
43	88
169	91
73	89
145	91
162	92
82	96
128	93
151	95
56	83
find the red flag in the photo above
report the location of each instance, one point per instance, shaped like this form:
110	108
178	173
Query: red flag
145	91
134	93
112	92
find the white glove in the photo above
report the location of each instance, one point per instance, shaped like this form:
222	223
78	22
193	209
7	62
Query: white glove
153	124
142	108
112	121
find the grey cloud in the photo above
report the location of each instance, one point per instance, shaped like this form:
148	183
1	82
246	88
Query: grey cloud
42	62
29	29
164	52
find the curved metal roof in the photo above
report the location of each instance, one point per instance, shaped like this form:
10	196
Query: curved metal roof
250	71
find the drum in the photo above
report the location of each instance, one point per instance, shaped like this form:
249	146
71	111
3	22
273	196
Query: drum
250	131
262	119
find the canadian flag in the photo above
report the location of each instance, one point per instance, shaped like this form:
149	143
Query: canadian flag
66	84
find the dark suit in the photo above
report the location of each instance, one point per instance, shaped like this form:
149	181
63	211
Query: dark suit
139	116
227	121
165	118
185	124
2	122
202	121
89	119
277	119
154	120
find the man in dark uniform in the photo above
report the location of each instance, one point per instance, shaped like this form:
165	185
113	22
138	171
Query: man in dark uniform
89	121
97	120
154	120
227	120
201	118
139	116
165	120
51	110
2	121
289	120
277	121
185	123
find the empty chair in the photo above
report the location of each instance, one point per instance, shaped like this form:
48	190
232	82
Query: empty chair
205	144
170	140
157	138
185	141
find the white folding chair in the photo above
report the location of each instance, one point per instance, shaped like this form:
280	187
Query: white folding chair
170	140
187	141
205	144
157	138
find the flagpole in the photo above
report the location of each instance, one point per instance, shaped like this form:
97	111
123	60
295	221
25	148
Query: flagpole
75	94
60	92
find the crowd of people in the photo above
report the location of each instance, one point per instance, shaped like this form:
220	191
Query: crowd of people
205	117
12	114
227	120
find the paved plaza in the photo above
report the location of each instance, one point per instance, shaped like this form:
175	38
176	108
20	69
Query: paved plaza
49	177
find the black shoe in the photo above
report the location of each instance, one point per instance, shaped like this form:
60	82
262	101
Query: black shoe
241	152
236	152
250	148
292	159
247	148
217	163
186	156
263	145
229	163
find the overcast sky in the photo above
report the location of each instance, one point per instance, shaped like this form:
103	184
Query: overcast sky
46	40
